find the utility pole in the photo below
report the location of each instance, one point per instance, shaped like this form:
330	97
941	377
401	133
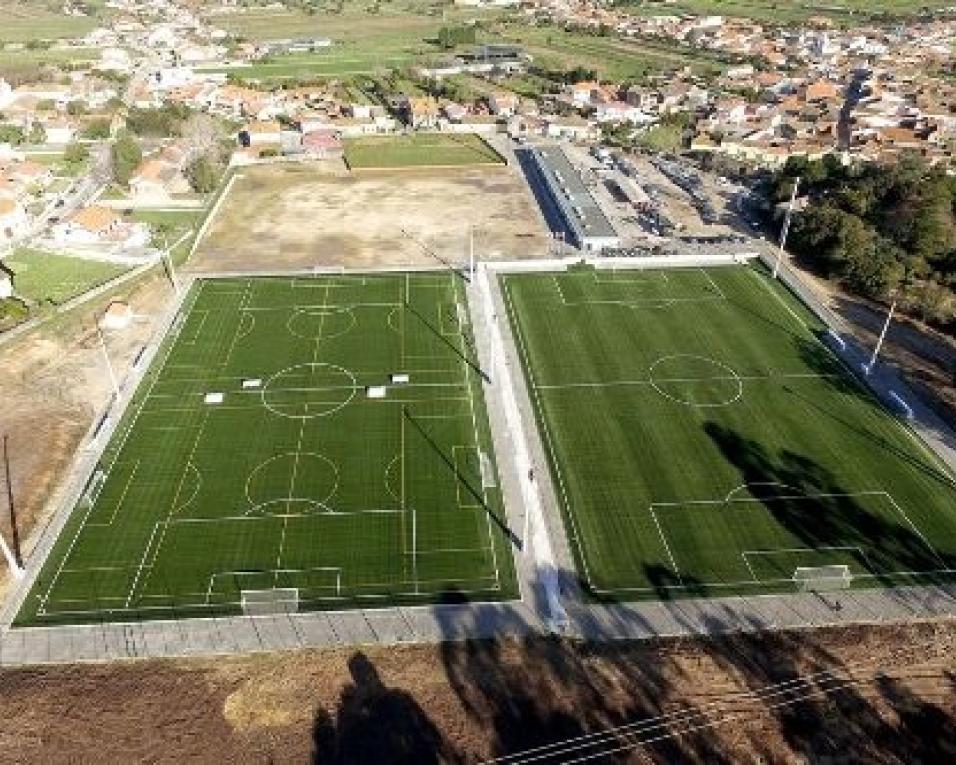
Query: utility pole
786	227
879	343
14	557
109	364
169	265
471	253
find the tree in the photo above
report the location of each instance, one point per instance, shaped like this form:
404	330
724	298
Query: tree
204	135
11	134
125	155
37	133
202	174
96	130
75	153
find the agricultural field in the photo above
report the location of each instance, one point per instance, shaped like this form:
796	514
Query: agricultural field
611	57
419	150
44	276
769	11
25	22
312	442
704	441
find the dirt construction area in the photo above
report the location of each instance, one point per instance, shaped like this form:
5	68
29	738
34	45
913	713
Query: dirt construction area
875	695
301	216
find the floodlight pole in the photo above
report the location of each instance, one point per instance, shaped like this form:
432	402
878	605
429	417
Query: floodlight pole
867	368
169	266
14	557
109	364
786	227
471	254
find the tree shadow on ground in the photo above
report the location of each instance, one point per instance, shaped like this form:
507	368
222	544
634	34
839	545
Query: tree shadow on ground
819	512
377	724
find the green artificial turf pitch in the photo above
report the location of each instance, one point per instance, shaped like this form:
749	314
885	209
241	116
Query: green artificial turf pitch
419	150
704	441
303	481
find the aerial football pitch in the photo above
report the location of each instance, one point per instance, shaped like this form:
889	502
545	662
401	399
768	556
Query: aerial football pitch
300	443
704	441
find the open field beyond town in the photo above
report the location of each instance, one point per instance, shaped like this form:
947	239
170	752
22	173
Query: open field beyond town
300	483
23	22
43	276
704	441
419	150
299	217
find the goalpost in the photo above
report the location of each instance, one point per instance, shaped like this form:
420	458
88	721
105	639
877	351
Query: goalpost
822	578
280	600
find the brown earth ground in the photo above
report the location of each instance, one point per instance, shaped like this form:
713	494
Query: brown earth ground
320	214
54	385
871	695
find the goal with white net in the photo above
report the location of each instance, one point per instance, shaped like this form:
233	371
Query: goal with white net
822	578
280	600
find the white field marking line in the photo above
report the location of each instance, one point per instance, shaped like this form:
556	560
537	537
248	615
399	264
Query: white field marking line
645	276
758	483
295	464
275	572
464	505
477	440
291	498
236	335
749	567
426	594
170	337
915	528
787	497
574	537
637	301
744	378
713	284
197	487
142	563
667	547
446	550
262	518
367	402
306	307
172	510
784	581
204	314
122	498
761	279
790	550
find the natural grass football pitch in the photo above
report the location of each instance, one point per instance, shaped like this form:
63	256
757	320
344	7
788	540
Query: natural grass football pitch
704	441
297	479
419	150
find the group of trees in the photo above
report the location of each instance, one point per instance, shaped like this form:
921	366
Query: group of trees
449	37
883	230
208	146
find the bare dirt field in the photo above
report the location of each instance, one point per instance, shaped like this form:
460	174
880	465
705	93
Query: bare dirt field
320	214
54	384
885	695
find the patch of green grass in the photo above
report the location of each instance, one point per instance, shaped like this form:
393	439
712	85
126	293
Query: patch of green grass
23	23
704	441
611	57
844	12
303	481
44	276
665	138
419	150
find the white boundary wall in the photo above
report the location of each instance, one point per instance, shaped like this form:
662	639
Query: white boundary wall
537	531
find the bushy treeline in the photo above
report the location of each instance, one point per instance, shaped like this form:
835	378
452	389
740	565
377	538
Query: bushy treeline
884	230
